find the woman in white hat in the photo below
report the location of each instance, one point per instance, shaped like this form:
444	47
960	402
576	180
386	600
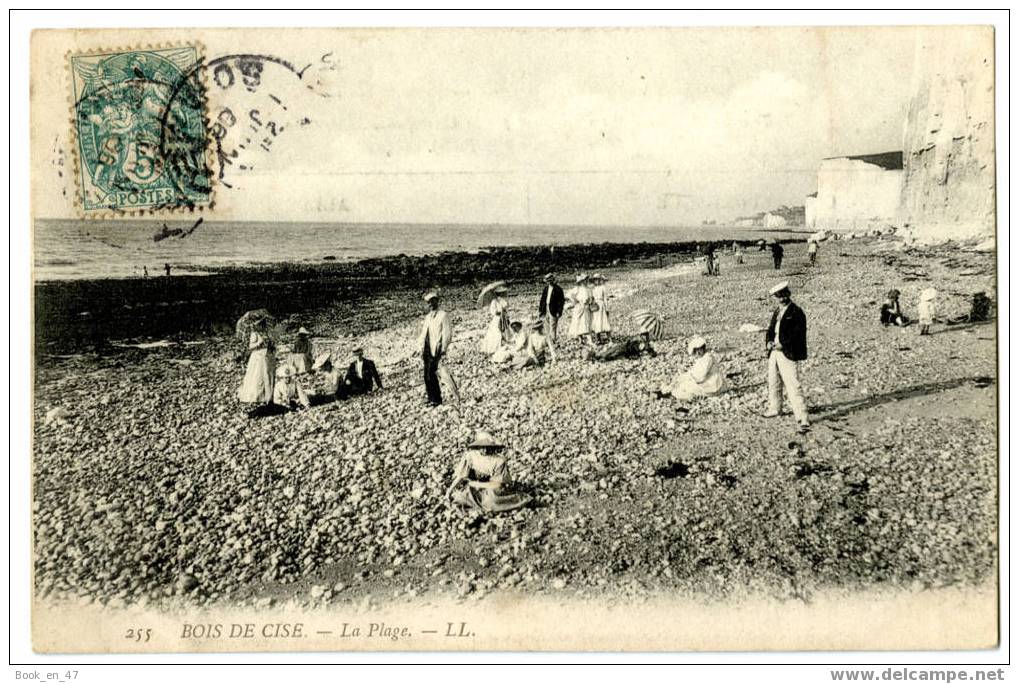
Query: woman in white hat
580	314
600	311
704	378
481	478
927	310
498	330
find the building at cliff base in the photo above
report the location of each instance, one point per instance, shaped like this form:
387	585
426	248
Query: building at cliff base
857	193
941	185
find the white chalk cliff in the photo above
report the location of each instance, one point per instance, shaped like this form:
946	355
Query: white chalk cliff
948	141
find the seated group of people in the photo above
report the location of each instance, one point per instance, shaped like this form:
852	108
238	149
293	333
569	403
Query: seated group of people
527	346
282	384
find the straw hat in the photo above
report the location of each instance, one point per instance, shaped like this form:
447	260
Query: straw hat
303	331
598	276
357	350
484	440
928	294
321	360
784	285
581	278
431	295
695	343
547	277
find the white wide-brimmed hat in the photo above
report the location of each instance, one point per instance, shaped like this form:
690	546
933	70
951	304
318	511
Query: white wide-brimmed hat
303	331
928	294
484	440
598	276
695	342
547	276
430	296
581	278
784	285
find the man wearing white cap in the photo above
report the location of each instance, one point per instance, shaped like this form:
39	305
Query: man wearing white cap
436	335
786	342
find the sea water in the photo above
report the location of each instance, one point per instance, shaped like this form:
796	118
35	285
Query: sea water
72	249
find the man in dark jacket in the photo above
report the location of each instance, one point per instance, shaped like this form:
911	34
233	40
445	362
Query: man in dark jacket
776	253
550	306
786	342
362	376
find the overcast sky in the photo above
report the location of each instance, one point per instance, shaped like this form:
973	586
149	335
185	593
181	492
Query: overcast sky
572	127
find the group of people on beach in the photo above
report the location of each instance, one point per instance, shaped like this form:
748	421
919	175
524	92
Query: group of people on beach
481	479
272	384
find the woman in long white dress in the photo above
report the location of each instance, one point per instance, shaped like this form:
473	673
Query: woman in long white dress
257	387
499	325
600	316
704	378
580	314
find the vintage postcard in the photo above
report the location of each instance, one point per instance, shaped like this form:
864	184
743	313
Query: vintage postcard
654	339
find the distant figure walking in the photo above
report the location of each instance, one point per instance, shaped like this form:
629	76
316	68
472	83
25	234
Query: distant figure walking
786	342
927	310
580	315
776	254
145	271
812	252
737	250
550	306
166	267
434	340
600	324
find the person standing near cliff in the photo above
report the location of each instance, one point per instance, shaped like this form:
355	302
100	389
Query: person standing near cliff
776	253
550	306
433	342
786	342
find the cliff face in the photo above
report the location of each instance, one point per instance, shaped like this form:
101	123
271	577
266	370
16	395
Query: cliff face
853	194
948	141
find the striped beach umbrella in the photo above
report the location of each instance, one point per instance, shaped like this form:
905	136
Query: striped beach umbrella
649	322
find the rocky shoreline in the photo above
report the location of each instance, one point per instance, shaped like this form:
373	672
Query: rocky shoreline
79	315
154	486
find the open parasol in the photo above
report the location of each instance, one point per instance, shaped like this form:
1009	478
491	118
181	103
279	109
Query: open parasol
489	291
649	322
246	322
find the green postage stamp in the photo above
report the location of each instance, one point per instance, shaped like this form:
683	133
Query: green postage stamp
140	130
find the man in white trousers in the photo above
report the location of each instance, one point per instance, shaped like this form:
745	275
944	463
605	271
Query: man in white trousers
436	334
787	345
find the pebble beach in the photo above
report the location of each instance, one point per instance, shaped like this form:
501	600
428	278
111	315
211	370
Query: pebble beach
153	487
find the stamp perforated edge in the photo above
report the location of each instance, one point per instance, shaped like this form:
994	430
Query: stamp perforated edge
109	213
